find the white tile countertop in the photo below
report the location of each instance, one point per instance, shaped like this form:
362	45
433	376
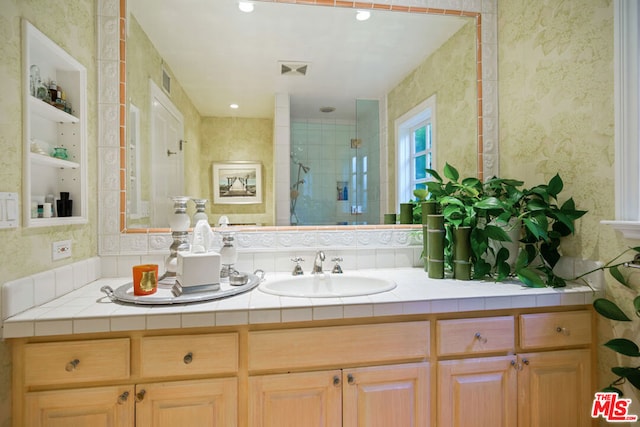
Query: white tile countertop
88	310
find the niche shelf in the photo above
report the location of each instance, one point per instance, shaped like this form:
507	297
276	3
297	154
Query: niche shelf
43	174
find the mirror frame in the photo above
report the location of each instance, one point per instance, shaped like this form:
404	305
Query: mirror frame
112	98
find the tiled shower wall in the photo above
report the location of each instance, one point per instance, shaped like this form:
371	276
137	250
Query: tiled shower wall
342	184
324	147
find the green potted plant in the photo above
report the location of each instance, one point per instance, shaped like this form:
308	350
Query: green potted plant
612	311
545	223
498	206
457	199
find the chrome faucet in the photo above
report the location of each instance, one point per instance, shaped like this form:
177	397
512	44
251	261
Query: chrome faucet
317	263
297	270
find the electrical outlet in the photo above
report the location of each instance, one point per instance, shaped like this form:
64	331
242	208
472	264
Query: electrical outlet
61	249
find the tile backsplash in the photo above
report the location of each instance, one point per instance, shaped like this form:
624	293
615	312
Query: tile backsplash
31	291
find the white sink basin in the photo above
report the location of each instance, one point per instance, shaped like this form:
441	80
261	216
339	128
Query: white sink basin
326	285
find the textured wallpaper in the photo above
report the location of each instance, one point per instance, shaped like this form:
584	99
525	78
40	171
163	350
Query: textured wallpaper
144	63
450	73
557	116
238	139
31	248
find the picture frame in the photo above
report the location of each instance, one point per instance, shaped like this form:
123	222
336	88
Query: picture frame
237	182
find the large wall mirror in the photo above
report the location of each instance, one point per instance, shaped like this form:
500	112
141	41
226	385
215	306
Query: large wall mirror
186	64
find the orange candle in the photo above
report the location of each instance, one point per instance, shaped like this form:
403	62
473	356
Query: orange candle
145	279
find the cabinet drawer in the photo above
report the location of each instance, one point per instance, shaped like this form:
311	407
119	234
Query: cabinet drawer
288	349
555	329
76	361
474	336
189	355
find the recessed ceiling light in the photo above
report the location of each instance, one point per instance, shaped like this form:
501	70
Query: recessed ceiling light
363	15
234	106
245	6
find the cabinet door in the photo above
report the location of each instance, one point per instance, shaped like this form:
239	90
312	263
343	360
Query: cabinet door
307	399
396	395
477	392
555	389
95	407
188	403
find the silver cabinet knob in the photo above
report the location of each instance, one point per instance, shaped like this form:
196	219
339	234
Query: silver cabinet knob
188	358
480	338
140	395
123	398
351	379
71	366
336	380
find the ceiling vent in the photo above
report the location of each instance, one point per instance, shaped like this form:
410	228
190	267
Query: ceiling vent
288	68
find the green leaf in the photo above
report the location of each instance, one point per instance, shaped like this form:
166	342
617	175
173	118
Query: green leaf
612	389
550	254
434	174
536	205
451	172
449	200
623	371
537	230
488	203
564	219
636	305
555	186
634	379
530	278
615	272
522	261
496	233
610	310
623	346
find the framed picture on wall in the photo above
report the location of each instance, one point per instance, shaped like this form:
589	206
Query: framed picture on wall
237	183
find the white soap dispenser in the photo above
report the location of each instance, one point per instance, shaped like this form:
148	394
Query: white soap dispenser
228	253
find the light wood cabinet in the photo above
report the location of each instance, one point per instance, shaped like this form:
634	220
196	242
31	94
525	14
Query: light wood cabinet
302	399
509	368
396	395
144	370
94	407
477	392
549	388
475	335
76	362
206	354
210	402
555	389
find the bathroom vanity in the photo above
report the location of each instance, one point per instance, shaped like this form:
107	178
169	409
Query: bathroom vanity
427	353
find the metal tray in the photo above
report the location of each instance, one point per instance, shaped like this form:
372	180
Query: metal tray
164	296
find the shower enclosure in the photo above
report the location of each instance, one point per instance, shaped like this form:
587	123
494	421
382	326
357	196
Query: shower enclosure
335	168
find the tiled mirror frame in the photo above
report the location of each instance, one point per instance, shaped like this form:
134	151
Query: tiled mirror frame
111	113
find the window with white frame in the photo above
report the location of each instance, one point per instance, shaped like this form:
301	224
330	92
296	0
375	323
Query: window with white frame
415	149
627	116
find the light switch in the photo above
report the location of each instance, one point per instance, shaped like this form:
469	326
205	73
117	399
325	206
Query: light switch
8	210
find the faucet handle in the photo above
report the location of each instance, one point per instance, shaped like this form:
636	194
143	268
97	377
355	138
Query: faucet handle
297	269
336	268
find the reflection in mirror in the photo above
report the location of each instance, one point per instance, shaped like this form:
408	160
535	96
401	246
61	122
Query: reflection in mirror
393	64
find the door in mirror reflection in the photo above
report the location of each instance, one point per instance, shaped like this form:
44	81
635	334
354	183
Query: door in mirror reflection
167	175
